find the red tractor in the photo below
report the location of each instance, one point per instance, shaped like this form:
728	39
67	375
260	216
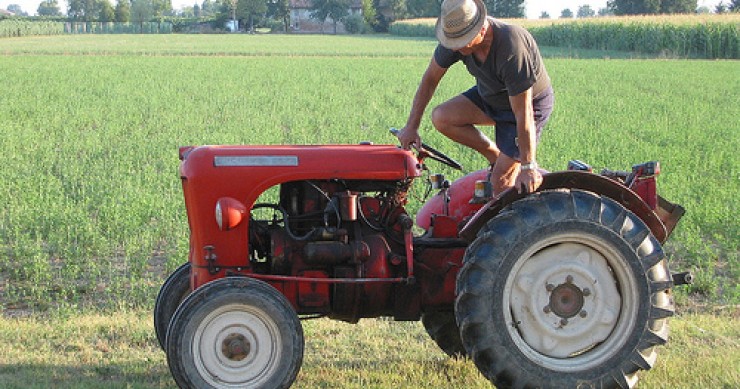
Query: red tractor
565	287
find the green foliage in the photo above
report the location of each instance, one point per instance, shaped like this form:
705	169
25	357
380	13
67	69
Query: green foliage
141	11
118	28
107	13
250	11
703	40
423	8
123	11
505	8
49	8
279	10
355	24
671	37
412	30
336	10
585	11
21	27
650	7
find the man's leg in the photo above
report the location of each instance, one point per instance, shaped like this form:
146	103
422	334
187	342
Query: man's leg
504	173
456	118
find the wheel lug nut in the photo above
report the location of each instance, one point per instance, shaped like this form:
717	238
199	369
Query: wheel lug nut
586	291
547	309
583	313
549	287
564	322
569	279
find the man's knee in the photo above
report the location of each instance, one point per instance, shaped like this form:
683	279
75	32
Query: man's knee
440	119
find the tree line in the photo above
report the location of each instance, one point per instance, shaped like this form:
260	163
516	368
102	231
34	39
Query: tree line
375	14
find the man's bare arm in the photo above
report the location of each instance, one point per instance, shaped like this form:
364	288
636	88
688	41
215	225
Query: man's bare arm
529	177
410	132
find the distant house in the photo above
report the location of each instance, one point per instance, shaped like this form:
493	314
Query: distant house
6	13
301	21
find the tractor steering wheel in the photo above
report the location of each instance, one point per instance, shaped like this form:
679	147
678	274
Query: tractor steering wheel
427	151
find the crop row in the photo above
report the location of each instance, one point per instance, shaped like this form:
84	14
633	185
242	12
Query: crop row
682	37
17	28
20	27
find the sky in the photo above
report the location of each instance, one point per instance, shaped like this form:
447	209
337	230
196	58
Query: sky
534	8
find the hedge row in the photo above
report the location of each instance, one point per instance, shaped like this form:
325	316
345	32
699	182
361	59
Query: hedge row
19	27
679	39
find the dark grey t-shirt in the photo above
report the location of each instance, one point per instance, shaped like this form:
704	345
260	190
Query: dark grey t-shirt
514	64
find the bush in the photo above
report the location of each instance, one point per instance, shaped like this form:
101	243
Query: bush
274	25
355	24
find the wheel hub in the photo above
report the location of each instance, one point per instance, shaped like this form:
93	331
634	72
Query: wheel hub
235	347
566	300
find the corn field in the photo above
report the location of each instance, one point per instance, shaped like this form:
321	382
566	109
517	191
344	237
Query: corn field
117	28
680	36
16	28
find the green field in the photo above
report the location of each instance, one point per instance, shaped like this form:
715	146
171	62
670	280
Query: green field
93	217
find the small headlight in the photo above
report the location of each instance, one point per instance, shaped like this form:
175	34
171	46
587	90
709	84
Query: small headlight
229	213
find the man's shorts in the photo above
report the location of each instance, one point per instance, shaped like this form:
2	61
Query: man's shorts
506	136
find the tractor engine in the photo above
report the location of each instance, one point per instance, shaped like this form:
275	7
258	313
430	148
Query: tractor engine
343	239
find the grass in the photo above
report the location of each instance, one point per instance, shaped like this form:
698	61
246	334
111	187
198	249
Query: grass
92	125
92	217
118	350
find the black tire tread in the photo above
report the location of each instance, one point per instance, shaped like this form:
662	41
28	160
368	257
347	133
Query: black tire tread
169	297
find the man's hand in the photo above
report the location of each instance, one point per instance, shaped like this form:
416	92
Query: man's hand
409	136
528	181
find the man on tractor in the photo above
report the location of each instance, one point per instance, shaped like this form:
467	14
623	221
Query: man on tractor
512	93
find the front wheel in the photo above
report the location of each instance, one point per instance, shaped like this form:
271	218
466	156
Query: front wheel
235	333
174	290
564	289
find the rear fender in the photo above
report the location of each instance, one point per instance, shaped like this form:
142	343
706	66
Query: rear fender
660	221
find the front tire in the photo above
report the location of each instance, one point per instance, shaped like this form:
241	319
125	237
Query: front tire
174	290
235	333
564	289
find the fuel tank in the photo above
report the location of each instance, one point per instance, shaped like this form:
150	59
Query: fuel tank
460	193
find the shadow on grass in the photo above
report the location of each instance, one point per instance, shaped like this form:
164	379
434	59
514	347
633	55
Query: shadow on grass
32	376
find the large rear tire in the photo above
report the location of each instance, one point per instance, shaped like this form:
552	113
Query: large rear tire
174	290
235	333
564	289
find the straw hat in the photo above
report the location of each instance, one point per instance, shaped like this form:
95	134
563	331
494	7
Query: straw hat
459	22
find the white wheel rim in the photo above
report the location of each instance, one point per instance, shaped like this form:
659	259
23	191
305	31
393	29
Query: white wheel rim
236	346
572	300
